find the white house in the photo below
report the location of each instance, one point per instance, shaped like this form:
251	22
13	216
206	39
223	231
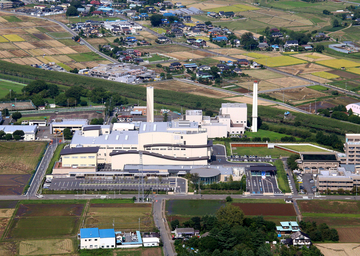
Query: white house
151	241
291	43
355	107
300	239
94	238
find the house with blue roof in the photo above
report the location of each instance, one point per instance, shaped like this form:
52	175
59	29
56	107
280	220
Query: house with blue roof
94	238
287	228
220	39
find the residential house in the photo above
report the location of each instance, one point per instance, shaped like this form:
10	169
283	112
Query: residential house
237	70
307	47
164	22
186	18
298	238
287	228
277	35
291	43
151	239
190	40
223	67
255	65
191	66
178	4
184	233
274	30
229	14
243	62
167	4
163	39
168	14
177	32
321	36
204	68
263	46
199	43
175	66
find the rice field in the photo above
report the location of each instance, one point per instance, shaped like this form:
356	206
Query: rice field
312	56
14	38
354	70
3	40
279	61
256	55
326	75
339	63
233	8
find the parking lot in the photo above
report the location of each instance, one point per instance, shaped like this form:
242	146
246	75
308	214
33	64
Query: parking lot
306	183
261	182
110	184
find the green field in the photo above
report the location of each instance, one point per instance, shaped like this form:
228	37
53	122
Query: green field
83	57
66	67
252	25
305	148
273	136
192	207
281	177
68	42
260	151
234	8
158	30
27	118
280	61
6	86
12	18
59	34
326	75
319	88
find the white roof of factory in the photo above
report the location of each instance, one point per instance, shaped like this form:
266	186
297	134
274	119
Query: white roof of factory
233	105
71	122
115	137
194	112
13	128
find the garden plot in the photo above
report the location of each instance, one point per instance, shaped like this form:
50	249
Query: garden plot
312	56
46	247
303	69
7	46
297	94
279	61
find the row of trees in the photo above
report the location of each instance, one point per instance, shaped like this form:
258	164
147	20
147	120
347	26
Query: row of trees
17	135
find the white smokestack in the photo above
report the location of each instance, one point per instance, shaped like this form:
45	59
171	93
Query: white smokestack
255	107
150	104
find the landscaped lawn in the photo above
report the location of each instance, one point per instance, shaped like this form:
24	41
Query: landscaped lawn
273	136
281	177
6	86
260	151
305	148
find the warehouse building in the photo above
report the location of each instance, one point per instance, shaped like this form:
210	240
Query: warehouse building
58	125
29	130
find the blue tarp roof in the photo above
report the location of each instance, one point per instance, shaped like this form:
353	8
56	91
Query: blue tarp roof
89	232
107	233
168	14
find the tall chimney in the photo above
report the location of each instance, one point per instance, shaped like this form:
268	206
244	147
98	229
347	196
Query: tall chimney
255	107
150	104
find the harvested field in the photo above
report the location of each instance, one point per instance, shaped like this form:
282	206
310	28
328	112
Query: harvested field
345	74
7	46
6	213
13	184
349	235
63	58
263	74
339	249
303	69
50	59
240	56
80	48
266	209
193	207
24	45
286	81
125	216
68	42
329	206
18	61
8	248
184	55
212	46
42	36
312	56
96	41
20	158
8	204
10	31
297	94
180	86
47	247
6	54
222	59
263	85
40	44
66	50
19	53
32	30
229	51
54	43
248	100
31	60
3	224
166	48
31	210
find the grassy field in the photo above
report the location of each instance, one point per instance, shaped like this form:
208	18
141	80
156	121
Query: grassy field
68	42
319	88
325	75
252	25
6	85
124	217
260	151
281	177
83	57
46	247
27	118
19	157
234	8
339	63
140	252
273	136
55	158
155	57
279	61
12	18
256	55
305	148
192	207
14	38
159	30
59	34
66	67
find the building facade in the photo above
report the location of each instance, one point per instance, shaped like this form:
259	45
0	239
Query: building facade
351	149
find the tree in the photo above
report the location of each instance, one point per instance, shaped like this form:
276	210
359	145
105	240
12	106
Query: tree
76	38
8	137
174	224
229	199
326	12
319	48
156	20
5	112
17	137
209	113
230	215
165	119
336	23
113	120
74	92
72	11
19	133
17	115
67	134
248	41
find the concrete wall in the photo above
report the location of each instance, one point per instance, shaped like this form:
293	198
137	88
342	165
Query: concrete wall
80	160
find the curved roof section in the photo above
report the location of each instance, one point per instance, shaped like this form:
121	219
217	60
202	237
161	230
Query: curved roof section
205	172
122	152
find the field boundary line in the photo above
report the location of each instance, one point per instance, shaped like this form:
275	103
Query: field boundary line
6	231
83	216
